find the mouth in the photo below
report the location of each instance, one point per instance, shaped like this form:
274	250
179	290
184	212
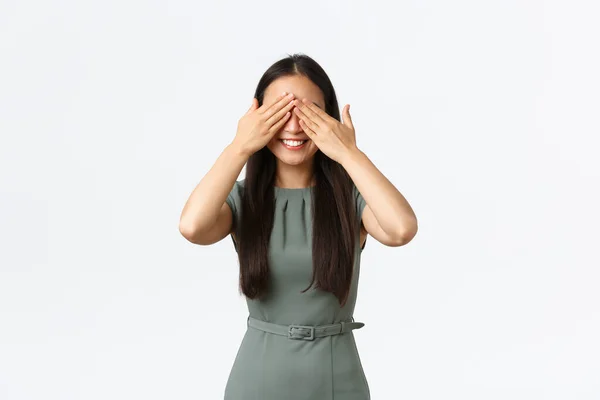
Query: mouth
293	144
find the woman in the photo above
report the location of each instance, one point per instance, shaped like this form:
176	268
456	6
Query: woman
298	222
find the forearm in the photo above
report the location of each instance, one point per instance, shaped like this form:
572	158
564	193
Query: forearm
390	208
203	205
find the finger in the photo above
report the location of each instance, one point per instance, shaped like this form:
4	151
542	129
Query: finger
277	105
306	120
317	115
347	119
279	114
309	132
265	106
275	128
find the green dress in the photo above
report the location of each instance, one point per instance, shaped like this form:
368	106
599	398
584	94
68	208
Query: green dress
273	367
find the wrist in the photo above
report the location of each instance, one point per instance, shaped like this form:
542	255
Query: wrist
351	155
238	151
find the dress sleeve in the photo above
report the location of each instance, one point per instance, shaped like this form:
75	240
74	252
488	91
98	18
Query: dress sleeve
234	200
360	204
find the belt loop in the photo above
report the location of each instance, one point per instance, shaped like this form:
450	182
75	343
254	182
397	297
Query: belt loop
342	325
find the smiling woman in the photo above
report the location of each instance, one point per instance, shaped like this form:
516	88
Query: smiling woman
284	180
298	223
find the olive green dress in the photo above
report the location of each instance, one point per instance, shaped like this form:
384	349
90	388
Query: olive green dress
273	367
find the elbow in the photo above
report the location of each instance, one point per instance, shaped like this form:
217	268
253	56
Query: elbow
406	234
189	231
411	232
186	231
197	235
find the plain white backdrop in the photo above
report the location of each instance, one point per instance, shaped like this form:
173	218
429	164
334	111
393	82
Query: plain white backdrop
483	114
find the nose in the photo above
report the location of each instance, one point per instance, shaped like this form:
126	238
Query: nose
292	125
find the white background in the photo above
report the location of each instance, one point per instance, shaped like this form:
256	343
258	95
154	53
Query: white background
483	114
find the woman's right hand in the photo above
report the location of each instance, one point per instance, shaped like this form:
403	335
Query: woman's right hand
258	126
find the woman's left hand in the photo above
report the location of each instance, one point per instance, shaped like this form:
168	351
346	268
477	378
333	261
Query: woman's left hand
334	138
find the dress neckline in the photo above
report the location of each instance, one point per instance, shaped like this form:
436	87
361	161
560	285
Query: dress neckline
293	192
277	188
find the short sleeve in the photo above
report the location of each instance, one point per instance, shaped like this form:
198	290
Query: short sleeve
359	201
234	200
360	204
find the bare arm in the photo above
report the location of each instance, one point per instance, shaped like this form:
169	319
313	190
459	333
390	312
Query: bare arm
388	216
206	217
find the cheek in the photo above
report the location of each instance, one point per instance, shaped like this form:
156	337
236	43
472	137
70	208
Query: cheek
271	145
273	142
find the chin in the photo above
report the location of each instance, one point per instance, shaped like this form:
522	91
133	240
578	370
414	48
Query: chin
290	160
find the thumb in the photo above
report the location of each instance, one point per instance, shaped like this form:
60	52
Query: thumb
253	106
347	119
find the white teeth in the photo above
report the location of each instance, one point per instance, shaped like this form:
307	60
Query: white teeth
293	143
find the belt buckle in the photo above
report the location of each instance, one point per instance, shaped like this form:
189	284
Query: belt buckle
310	335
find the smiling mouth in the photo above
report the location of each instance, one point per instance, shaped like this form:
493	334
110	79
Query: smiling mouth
293	144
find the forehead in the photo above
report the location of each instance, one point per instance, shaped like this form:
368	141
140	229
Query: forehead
299	85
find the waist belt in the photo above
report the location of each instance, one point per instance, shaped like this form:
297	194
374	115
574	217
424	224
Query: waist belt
304	332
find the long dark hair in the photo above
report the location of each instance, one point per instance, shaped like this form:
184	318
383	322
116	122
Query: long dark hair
334	221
